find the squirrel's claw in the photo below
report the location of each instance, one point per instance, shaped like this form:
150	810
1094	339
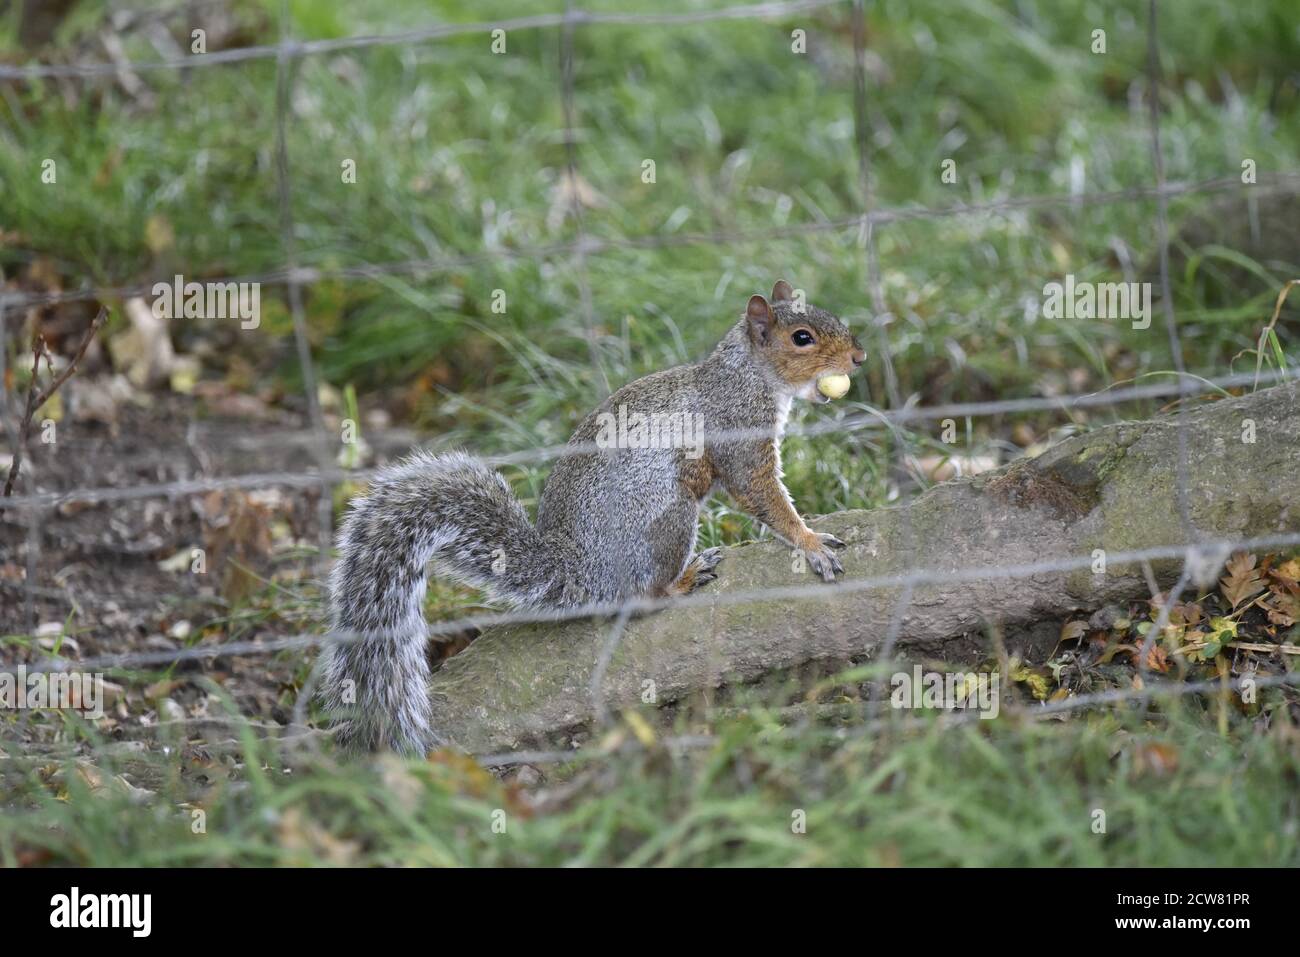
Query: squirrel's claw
708	559
824	563
699	571
705	563
831	541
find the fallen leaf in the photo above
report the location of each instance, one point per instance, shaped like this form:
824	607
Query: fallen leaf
569	192
1283	602
1151	757
1157	659
1242	580
1186	613
1035	682
311	843
1289	569
143	353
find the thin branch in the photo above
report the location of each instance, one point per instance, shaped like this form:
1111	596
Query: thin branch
1263	336
37	399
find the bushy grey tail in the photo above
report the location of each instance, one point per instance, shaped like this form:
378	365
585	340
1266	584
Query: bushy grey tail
448	508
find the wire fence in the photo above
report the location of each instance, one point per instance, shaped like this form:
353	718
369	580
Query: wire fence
1197	552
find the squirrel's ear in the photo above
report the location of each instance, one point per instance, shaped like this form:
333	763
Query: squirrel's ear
759	315
782	292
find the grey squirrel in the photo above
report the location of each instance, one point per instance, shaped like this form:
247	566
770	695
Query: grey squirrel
612	524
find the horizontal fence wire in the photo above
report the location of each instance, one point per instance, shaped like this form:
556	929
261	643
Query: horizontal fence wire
1205	554
694	742
289	48
874	420
1197	553
895	721
591	245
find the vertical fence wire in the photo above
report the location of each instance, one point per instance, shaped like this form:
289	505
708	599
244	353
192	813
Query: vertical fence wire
900	439
285	74
572	184
1190	533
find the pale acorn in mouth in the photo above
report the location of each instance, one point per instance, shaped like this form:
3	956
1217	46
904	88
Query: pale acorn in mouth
833	386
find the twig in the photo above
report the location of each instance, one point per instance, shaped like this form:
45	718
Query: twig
1241	646
1263	336
37	399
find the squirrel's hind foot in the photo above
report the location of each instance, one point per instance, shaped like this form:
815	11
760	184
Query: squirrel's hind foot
699	571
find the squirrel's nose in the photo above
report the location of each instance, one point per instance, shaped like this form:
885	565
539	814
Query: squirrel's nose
858	356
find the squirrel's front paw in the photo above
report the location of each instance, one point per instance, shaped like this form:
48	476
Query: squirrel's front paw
817	553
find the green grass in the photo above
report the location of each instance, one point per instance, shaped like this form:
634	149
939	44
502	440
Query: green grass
458	153
1005	792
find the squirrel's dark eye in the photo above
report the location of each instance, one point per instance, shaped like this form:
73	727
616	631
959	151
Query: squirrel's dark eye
802	337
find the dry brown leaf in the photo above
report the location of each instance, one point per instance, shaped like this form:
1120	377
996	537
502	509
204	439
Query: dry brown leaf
308	841
1283	602
236	535
1073	630
569	192
1152	757
1242	580
1186	613
1157	659
1289	569
1115	649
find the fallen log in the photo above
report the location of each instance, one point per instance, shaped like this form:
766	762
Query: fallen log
1084	504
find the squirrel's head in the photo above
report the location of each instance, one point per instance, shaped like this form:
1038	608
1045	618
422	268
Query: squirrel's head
800	343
